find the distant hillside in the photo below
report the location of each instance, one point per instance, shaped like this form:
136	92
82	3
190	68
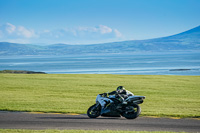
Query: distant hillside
21	72
185	41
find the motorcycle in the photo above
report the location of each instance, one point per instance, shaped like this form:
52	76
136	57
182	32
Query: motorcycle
127	108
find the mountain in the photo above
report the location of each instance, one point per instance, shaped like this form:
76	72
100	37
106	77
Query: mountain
185	41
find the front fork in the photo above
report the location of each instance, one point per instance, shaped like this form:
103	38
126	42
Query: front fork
98	106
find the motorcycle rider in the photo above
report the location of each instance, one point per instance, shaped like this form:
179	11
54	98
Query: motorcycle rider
121	93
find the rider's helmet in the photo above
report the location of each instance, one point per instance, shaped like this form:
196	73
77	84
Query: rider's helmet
120	89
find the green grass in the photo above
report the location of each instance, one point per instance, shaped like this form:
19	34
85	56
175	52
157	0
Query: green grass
166	96
76	131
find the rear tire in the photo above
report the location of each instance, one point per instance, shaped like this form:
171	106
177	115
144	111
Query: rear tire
93	111
134	114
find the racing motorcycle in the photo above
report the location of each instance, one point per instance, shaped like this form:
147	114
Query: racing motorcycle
127	108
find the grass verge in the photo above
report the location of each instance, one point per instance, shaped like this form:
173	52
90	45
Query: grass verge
76	131
166	96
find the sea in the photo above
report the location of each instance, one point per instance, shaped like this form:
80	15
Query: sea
124	64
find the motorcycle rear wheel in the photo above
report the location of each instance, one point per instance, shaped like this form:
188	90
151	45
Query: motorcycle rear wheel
134	114
93	112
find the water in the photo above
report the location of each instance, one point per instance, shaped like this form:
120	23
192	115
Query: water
135	64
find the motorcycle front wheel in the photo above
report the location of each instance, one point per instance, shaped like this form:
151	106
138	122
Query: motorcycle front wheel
133	114
93	111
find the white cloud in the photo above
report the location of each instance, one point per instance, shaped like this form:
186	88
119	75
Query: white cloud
9	28
25	32
104	29
99	30
81	35
11	31
117	33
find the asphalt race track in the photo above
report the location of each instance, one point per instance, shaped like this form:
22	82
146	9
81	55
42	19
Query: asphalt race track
20	120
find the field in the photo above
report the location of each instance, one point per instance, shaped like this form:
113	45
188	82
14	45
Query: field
166	96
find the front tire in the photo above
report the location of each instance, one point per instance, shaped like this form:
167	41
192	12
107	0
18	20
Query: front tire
133	114
93	111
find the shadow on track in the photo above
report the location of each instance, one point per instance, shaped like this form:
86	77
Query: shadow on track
80	118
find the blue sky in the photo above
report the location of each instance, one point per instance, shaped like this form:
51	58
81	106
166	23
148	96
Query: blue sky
94	21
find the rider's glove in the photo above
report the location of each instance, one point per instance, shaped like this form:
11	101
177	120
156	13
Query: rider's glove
125	96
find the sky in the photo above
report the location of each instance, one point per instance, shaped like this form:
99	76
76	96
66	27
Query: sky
94	21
